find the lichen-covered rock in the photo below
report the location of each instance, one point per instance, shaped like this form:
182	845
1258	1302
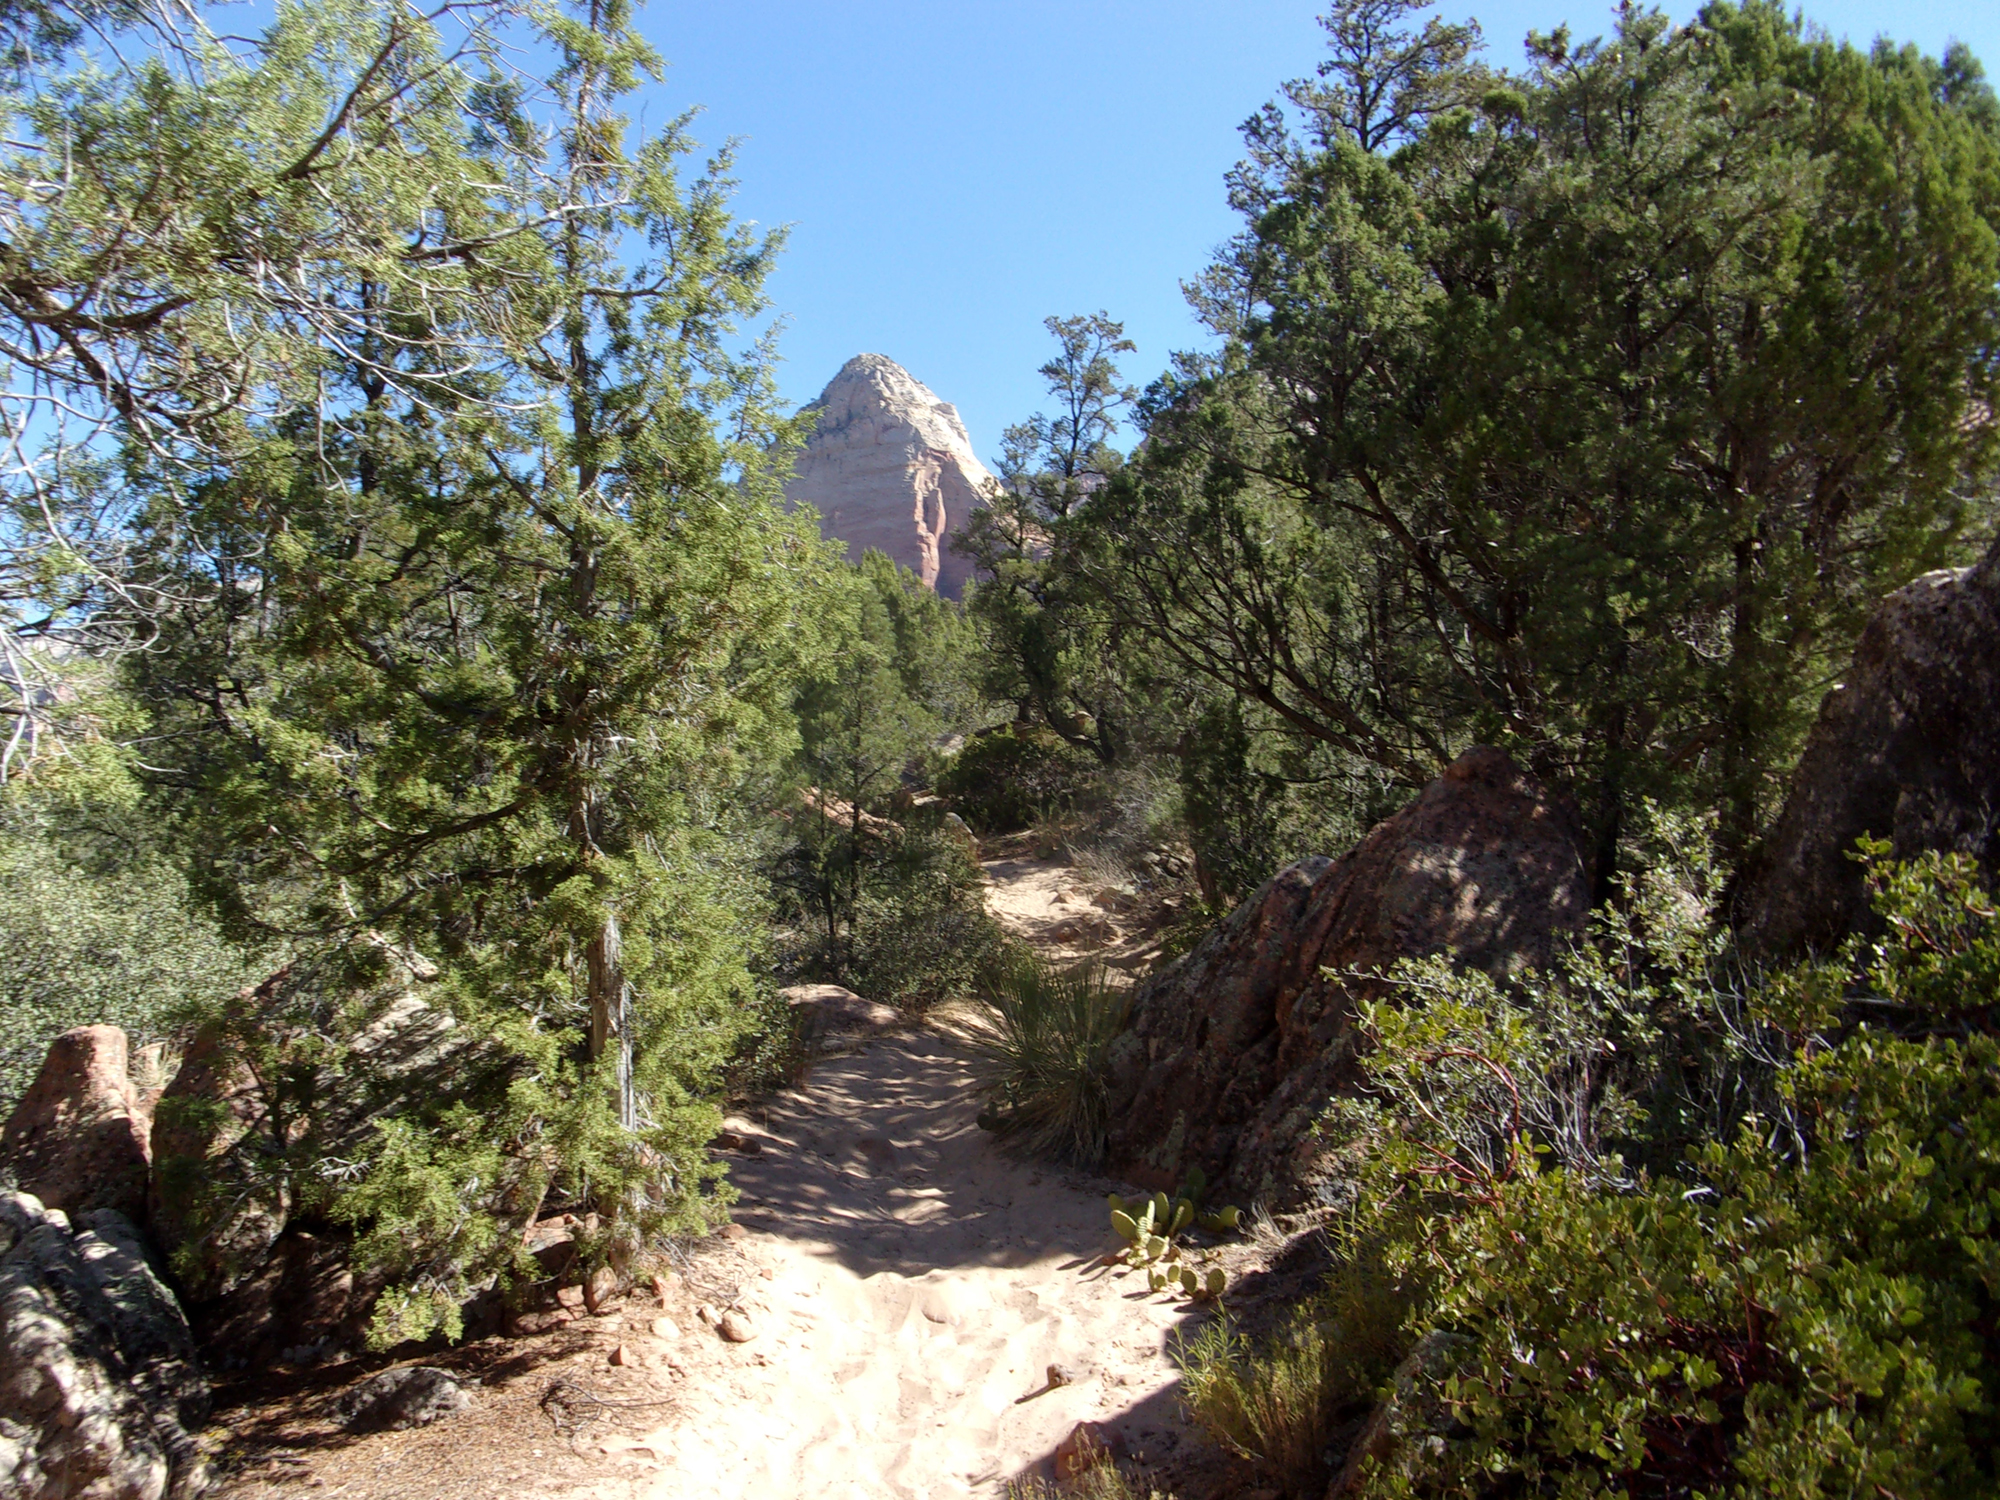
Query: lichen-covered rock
100	1389
1906	748
79	1138
1232	1054
413	1396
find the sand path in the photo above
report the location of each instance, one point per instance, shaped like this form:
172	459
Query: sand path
908	1282
911	1284
1065	916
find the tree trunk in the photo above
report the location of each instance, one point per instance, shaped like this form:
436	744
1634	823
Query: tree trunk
1739	747
611	1012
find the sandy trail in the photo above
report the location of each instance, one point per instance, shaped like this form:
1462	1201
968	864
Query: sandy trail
1066	917
911	1284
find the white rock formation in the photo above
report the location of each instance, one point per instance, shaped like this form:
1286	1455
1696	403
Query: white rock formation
890	466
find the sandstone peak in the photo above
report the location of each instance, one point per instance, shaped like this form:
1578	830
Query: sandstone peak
890	466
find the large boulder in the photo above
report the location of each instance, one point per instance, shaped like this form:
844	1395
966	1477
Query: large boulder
1232	1054
261	1112
79	1138
100	1390
1906	748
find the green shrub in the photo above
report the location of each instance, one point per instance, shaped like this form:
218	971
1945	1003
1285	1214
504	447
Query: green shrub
1009	777
777	1050
1042	1063
1806	1304
80	948
921	933
1231	808
897	913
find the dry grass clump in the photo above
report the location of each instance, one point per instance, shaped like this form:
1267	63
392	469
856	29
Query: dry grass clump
1099	1482
1042	1060
1103	864
1280	1403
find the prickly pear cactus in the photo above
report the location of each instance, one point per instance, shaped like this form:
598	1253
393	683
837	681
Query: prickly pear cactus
1151	1226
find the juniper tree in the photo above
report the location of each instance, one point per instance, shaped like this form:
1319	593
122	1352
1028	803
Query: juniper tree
1588	420
1043	645
490	661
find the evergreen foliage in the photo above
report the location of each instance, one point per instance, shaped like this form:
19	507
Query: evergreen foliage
1046	648
114	939
1008	776
480	620
400	426
892	899
1587	419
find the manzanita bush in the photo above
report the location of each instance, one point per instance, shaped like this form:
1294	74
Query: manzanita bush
1797	1301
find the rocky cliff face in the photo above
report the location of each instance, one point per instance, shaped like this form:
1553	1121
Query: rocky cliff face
890	466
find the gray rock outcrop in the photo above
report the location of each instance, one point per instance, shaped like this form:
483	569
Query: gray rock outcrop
396	1400
100	1389
890	466
1906	748
1231	1055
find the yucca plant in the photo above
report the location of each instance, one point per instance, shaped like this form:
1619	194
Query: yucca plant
1042	1063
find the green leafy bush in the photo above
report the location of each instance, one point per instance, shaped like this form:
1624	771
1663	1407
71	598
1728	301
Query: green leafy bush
123	947
1804	1304
1007	778
921	933
777	1049
1043	1060
896	910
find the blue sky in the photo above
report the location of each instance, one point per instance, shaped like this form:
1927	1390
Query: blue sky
956	170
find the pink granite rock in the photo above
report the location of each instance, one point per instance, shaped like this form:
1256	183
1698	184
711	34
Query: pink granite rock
78	1140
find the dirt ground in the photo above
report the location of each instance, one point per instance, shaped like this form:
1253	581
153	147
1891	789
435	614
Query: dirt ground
906	1286
1068	915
